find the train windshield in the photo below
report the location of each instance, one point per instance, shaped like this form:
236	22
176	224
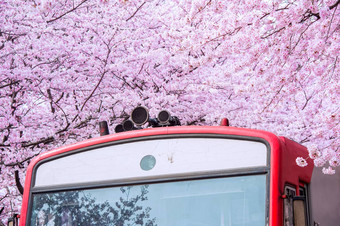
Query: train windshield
204	180
237	200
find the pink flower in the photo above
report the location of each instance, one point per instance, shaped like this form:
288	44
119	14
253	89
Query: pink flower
329	171
301	162
334	162
318	162
324	12
313	152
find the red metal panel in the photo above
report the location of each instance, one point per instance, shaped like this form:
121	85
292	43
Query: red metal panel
292	173
282	156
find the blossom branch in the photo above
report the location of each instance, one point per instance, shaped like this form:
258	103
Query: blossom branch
18	183
95	88
10	84
73	9
334	5
300	36
272	99
135	12
19	163
330	24
274	32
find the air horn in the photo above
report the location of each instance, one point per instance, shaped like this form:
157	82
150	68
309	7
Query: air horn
128	125
140	116
165	119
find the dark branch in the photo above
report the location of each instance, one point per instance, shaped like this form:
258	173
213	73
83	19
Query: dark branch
67	12
272	100
45	141
100	80
274	32
135	11
309	13
51	100
95	88
9	84
334	5
18	183
329	27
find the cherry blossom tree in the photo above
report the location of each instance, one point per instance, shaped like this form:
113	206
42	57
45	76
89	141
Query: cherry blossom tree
66	65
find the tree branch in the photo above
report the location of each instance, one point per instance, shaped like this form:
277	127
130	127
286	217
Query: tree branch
272	100
18	183
95	88
334	5
49	21
330	24
19	163
45	141
9	84
51	100
297	42
135	12
309	13
201	9
274	32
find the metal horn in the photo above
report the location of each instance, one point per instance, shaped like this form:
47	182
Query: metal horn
165	119
128	125
140	116
119	128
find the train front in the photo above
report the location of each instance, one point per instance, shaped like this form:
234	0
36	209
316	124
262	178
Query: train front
180	175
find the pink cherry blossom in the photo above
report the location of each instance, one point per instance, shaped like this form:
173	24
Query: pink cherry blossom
301	162
329	170
314	152
334	162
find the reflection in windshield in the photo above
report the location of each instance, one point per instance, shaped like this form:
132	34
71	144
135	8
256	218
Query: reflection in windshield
84	208
223	201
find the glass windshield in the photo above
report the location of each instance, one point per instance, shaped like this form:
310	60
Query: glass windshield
206	202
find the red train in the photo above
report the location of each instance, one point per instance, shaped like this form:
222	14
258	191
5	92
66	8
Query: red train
170	175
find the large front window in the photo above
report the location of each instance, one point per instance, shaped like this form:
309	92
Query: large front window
238	200
189	180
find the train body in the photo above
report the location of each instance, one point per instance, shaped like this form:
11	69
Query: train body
174	175
187	175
